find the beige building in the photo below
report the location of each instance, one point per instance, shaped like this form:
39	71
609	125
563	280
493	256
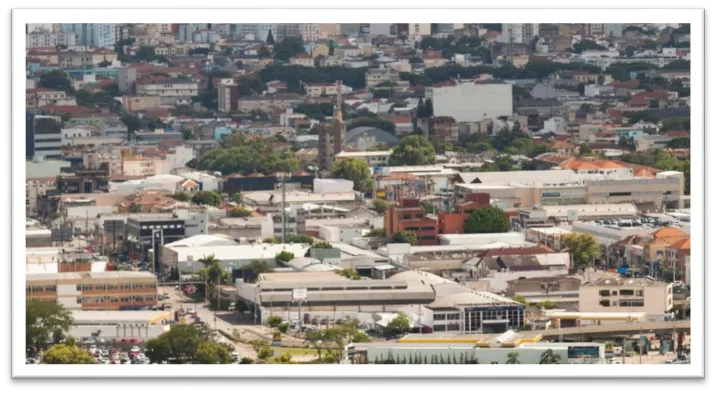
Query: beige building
94	290
319	89
135	103
376	76
301	59
310	32
626	295
169	88
145	166
95	159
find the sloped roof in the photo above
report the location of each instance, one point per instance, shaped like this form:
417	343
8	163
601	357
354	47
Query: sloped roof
667	232
683	244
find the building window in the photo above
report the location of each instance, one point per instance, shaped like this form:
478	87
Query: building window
439	317
604	292
631	303
79	300
79	287
626	292
604	303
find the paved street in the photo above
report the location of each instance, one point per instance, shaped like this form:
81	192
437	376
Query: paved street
179	300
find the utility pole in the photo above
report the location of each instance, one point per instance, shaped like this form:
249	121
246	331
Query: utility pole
283	177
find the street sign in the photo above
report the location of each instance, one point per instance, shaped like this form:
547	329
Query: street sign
300	294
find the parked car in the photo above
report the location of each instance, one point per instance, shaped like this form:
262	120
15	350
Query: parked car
31	361
134	349
92	349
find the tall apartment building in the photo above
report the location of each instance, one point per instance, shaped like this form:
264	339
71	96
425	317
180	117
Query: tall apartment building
119	290
613	29
626	295
228	97
260	31
518	33
310	32
102	35
39	27
46	137
284	30
409	216
332	137
49	39
595	28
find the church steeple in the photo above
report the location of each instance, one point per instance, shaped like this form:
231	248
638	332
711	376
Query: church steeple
338	107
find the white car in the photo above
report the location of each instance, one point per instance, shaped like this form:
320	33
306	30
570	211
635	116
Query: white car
134	349
92	349
190	310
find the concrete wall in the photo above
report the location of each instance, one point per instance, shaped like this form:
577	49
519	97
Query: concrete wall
472	102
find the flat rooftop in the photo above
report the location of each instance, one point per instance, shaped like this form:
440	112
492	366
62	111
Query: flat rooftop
624	282
301	277
84	317
90	275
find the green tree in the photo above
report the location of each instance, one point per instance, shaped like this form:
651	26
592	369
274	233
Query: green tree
299	238
413	150
320	339
284	256
288	47
547	305
206	197
385	125
239	211
238	198
512	358
582	247
549	357
274	321
181	196
520	299
269	38
132	122
259	267
134	208
209	352
380	205
349	274
67	354
376	232
176	346
357	171
406	237
264	52
679	143
186	134
57	80
487	219
398	325
45	322
283	327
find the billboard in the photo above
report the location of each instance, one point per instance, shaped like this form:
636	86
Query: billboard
583	352
300	294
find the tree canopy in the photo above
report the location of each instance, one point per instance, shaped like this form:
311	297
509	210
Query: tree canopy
206	197
385	125
246	156
185	344
67	354
487	219
398	325
288	47
57	80
413	150
582	247
240	211
357	171
406	237
45	323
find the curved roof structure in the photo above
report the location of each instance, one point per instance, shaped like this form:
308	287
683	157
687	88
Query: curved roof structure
381	136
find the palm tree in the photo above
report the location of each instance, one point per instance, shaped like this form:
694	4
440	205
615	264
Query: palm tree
208	260
549	357
512	358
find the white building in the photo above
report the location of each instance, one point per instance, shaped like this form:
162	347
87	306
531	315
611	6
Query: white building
518	33
471	101
77	131
373	158
169	88
102	35
187	256
49	39
326	186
